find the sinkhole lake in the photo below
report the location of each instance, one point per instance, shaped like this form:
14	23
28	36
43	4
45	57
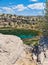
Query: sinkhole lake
21	33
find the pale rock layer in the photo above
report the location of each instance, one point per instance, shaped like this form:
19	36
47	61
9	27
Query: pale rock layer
14	52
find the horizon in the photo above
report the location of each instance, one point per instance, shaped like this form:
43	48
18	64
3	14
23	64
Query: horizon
23	7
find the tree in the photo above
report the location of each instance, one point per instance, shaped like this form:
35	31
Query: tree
46	11
45	30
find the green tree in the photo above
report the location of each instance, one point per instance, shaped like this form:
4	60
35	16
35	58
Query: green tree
45	26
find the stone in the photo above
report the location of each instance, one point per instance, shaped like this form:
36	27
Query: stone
14	52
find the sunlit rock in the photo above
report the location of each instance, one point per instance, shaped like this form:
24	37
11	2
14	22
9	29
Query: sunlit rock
14	52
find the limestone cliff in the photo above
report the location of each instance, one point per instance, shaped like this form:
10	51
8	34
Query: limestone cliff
14	52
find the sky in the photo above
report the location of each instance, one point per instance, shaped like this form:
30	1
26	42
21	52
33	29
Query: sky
23	7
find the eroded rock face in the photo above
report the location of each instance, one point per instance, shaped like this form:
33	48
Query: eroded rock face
13	52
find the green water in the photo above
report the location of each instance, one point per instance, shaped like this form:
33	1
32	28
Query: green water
21	33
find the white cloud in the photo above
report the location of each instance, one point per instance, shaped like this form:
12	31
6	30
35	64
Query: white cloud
36	6
0	10
34	0
20	7
7	9
13	9
40	13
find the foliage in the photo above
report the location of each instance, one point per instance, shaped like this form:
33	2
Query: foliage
20	32
45	26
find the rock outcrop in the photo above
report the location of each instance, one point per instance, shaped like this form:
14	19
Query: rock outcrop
14	52
43	56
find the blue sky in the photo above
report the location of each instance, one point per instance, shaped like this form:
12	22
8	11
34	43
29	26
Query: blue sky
22	7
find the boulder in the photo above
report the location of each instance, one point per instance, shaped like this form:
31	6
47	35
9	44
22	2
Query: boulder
14	52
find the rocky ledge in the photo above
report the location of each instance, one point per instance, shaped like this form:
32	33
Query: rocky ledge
14	52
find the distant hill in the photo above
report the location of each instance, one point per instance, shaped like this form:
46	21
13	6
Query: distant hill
9	20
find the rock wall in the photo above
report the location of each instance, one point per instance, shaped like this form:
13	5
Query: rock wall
14	52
